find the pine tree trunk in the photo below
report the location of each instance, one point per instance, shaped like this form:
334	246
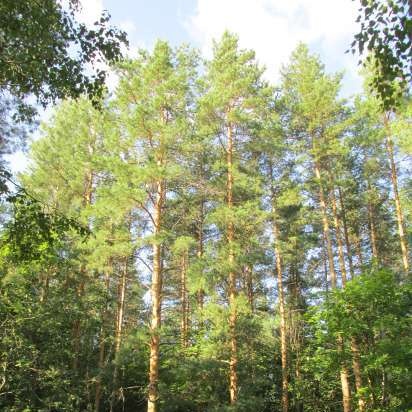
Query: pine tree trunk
248	273
358	246
346	233
344	376
398	207
102	348
283	336
156	288
200	293
87	200
294	331
121	292
325	262
183	301
233	381
325	224
77	323
372	228
356	364
338	237
357	372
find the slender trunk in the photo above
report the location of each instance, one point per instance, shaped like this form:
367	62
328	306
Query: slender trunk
249	287
384	383
358	246
200	293
87	200
344	379
283	336
294	332
357	371
344	376
356	364
183	301
44	287
77	323
371	221
371	386
346	233
121	292
102	348
325	262
247	276
325	224
233	381
394	178
338	237
156	289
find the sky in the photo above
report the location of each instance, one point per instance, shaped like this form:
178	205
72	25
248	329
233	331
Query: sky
272	28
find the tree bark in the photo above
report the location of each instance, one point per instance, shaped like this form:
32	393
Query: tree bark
121	292
283	335
233	379
338	237
295	327
248	273
372	228
86	201
398	207
344	376
156	290
358	247
102	348
357	371
77	323
200	293
183	301
325	224
346	233
356	364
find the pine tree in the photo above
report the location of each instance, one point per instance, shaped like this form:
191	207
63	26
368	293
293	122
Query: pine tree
152	100
234	94
315	115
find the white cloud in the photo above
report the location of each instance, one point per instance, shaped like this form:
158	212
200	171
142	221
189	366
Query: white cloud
128	26
18	162
273	28
90	11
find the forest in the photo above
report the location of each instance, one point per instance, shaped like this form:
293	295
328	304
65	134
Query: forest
202	239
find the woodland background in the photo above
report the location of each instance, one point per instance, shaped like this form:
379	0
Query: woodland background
201	239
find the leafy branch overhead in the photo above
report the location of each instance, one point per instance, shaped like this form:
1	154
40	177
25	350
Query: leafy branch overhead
47	53
33	232
386	37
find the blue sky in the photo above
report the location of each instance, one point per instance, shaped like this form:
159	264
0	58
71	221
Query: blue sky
272	28
148	20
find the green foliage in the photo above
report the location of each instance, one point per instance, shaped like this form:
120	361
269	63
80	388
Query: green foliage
33	234
374	310
45	51
385	33
76	252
